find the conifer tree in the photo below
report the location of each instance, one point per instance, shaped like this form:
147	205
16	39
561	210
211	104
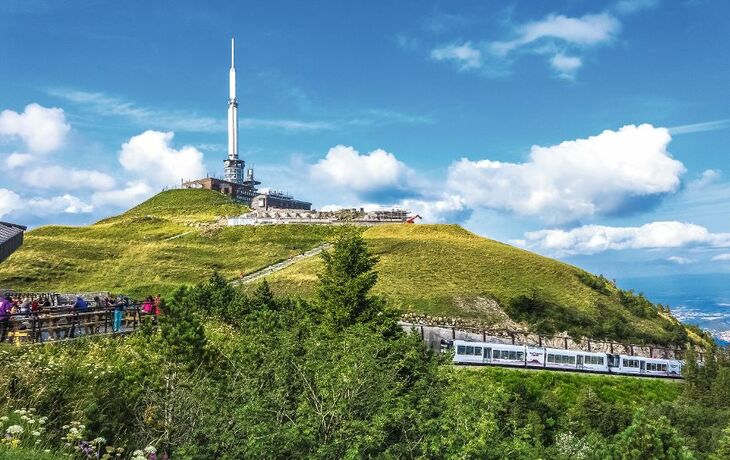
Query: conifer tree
182	332
343	293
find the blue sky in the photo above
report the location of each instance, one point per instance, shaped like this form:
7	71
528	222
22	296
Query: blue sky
595	132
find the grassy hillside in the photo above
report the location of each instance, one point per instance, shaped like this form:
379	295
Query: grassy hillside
166	241
444	270
440	270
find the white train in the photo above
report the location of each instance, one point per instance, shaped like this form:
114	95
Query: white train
554	358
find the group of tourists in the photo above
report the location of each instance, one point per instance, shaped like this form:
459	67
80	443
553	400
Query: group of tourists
29	307
10	306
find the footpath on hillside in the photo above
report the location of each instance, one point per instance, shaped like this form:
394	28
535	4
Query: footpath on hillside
251	277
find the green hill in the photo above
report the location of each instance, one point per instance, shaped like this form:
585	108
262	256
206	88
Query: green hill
438	270
170	239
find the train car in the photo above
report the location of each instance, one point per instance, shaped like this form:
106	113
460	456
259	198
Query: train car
488	353
635	365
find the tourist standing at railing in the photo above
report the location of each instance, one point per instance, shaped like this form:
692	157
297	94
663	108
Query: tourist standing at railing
6	306
80	304
35	306
119	306
148	306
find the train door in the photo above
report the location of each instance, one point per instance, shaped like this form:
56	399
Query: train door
642	367
579	361
487	355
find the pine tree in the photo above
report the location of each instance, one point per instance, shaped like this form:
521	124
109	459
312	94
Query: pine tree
343	293
182	332
263	297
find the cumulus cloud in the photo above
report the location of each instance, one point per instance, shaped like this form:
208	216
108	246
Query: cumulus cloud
150	156
16	160
612	173
444	209
375	175
591	239
566	66
42	129
58	177
9	202
58	204
131	194
465	56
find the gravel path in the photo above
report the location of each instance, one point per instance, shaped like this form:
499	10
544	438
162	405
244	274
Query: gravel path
280	265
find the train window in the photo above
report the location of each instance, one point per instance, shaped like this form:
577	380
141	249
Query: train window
594	360
520	355
469	350
495	354
478	351
460	350
551	358
631	363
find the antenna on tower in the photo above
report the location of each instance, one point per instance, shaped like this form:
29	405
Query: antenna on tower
233	46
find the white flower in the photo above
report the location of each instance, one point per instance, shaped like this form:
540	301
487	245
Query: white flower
99	441
150	450
36	433
4	418
14	429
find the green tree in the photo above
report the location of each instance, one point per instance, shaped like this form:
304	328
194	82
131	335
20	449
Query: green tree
182	332
343	293
723	448
648	439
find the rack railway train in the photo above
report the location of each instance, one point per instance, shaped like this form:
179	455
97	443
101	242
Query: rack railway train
486	353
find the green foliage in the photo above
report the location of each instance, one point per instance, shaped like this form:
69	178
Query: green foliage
345	282
183	339
723	448
648	439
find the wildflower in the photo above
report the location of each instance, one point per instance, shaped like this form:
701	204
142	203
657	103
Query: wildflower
150	450
14	429
36	433
4	418
99	441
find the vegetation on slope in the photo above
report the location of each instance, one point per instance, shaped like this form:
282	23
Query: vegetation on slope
169	240
440	270
444	270
228	375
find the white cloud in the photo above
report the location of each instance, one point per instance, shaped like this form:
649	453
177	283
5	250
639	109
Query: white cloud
591	239
376	171
174	120
566	66
16	160
611	173
446	209
465	56
132	194
58	204
591	29
9	202
700	127
41	129
58	177
708	177
722	257
150	156
679	260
